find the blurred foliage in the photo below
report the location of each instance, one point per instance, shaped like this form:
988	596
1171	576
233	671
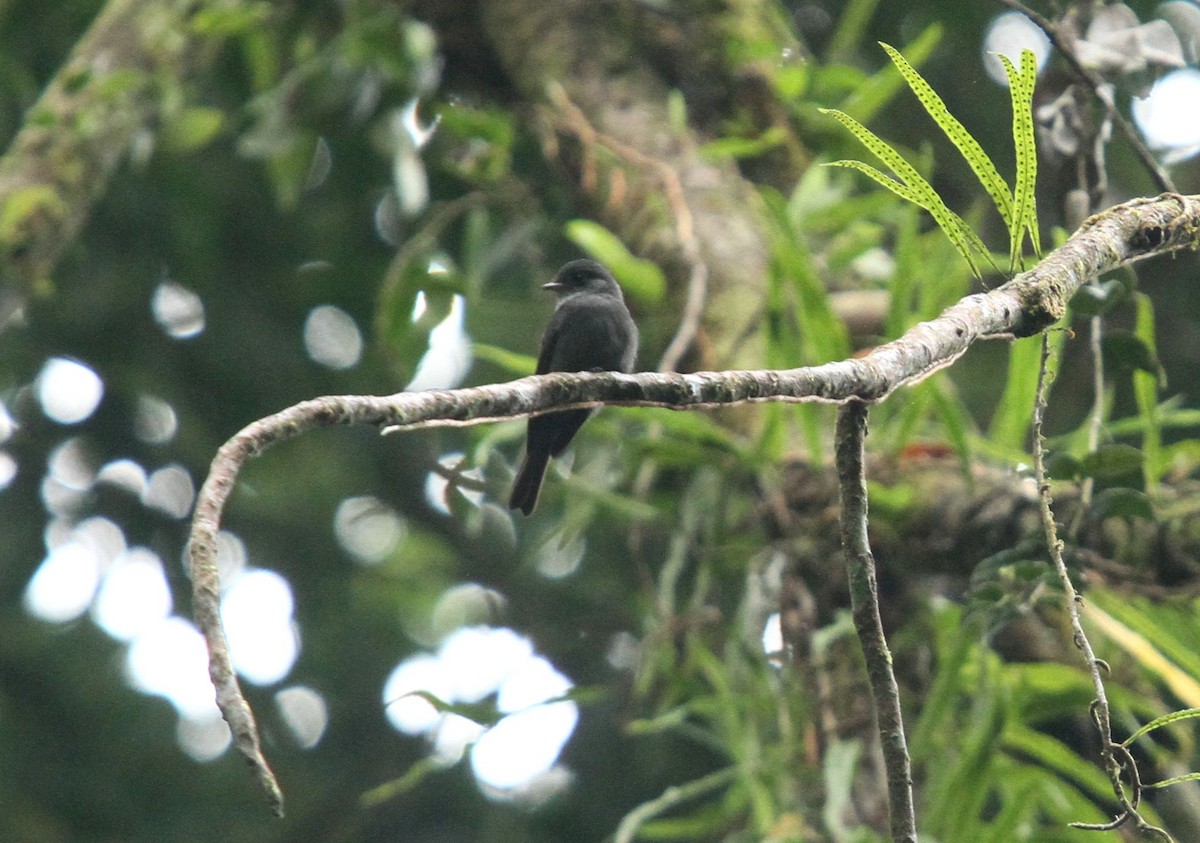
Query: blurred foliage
338	154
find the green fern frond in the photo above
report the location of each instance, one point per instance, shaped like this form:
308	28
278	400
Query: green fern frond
1024	216
916	188
1018	209
1029	74
979	161
901	190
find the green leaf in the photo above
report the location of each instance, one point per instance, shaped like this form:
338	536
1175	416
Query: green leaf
955	421
1122	502
517	365
978	160
736	147
1014	413
397	787
193	128
1099	299
1186	777
1063	466
856	15
1029	74
642	280
903	191
1112	461
873	93
1161	637
1124	352
1057	756
1146	381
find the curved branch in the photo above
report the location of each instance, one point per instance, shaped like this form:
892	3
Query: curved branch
1026	305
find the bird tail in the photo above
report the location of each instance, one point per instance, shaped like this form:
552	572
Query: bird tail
529	482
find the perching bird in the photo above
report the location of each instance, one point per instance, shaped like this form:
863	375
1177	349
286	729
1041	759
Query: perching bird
591	331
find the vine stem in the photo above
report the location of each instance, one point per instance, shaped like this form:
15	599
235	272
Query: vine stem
864	601
1116	759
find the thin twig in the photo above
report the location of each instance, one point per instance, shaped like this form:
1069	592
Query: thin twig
1114	766
1061	42
685	227
864	602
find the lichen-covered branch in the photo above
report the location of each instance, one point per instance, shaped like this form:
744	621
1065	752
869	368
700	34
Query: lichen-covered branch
82	127
1117	759
1026	305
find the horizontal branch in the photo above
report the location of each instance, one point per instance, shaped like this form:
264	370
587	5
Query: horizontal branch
1028	304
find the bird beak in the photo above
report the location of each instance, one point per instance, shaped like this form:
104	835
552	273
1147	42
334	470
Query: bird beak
553	285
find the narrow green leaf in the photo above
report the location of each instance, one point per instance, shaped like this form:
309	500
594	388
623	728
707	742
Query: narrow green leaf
1123	352
955	421
517	365
415	775
1145	390
846	39
1099	299
1112	461
1014	413
1165	640
1063	466
1186	777
979	161
1121	502
903	191
1159	722
1055	755
880	88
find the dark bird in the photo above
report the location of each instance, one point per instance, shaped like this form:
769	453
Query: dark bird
591	331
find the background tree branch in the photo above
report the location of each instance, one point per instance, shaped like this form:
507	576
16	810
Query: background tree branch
107	93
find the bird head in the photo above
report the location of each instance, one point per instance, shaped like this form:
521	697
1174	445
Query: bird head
583	276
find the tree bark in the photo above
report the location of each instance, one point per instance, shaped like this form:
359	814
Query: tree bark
74	138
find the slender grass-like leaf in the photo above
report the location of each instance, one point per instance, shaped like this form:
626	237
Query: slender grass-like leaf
1158	649
1145	390
978	160
1014	412
856	14
1057	756
1186	777
1159	722
955	422
880	88
901	190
